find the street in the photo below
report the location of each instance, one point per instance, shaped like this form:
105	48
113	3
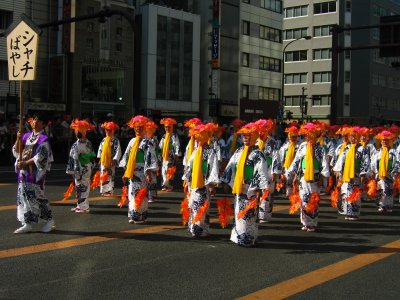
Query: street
100	256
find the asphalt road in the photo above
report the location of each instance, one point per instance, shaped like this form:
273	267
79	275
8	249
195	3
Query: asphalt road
100	255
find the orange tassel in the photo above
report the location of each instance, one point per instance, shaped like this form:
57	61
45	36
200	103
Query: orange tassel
185	211
124	196
355	195
68	193
200	213
396	185
139	198
295	201
225	211
371	188
264	196
335	197
95	181
280	184
330	184
104	177
313	202
340	183
171	172
252	205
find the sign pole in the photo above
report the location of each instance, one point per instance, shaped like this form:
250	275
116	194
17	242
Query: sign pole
21	117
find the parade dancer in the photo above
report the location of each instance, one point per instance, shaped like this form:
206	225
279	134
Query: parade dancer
80	164
235	139
386	169
109	153
202	174
151	128
287	153
246	174
170	148
308	165
353	165
268	145
139	161
36	159
191	146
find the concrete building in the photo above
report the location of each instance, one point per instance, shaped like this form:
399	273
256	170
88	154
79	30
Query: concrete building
366	84
241	58
167	59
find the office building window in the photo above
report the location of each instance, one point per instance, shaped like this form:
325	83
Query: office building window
89	43
324	7
295	78
347	76
300	55
245	91
265	93
324	30
89	26
321	77
346	101
348	6
245	27
3	70
161	73
188	60
274	5
347	54
246	1
296	11
6	18
292	100
245	59
118	47
270	34
321	100
118	31
322	54
295	33
270	64
90	10
175	59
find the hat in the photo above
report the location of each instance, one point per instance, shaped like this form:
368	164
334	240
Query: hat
81	126
238	123
201	133
109	126
310	130
193	122
385	135
292	130
249	128
167	121
265	126
137	121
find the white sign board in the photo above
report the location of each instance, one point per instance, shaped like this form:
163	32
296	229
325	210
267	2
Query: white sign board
22	50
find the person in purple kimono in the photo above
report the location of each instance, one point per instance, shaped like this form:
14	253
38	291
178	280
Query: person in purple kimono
33	159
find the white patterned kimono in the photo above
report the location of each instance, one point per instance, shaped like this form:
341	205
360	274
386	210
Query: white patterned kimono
174	150
385	186
199	196
245	230
80	166
307	188
145	160
274	166
108	185
32	204
362	165
239	143
282	156
152	185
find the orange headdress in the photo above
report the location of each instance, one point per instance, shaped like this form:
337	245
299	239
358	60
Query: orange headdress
385	135
238	123
266	126
292	131
81	126
193	122
395	130
151	127
137	121
201	133
251	128
310	130
110	126
167	121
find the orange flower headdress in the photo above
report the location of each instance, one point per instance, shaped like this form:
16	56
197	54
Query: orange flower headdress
168	121
395	130
310	130
251	128
151	127
81	126
137	121
292	131
201	133
385	135
237	123
265	126
110	126
193	122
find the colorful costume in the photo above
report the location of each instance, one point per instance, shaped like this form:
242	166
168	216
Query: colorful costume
201	173
109	153
80	164
235	140
139	160
246	173
151	128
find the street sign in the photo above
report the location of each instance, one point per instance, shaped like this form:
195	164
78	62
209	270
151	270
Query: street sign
22	50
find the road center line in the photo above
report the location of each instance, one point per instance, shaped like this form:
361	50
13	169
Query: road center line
303	282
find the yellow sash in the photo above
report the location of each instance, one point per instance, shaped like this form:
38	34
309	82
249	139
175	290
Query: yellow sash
197	173
261	144
309	172
238	183
190	149
130	166
106	153
349	164
383	164
289	155
165	150
342	148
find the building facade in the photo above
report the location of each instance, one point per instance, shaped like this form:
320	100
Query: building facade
367	84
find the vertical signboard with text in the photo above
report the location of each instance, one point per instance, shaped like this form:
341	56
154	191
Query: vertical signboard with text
215	62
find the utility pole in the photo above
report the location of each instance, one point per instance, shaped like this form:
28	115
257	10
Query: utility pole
302	103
